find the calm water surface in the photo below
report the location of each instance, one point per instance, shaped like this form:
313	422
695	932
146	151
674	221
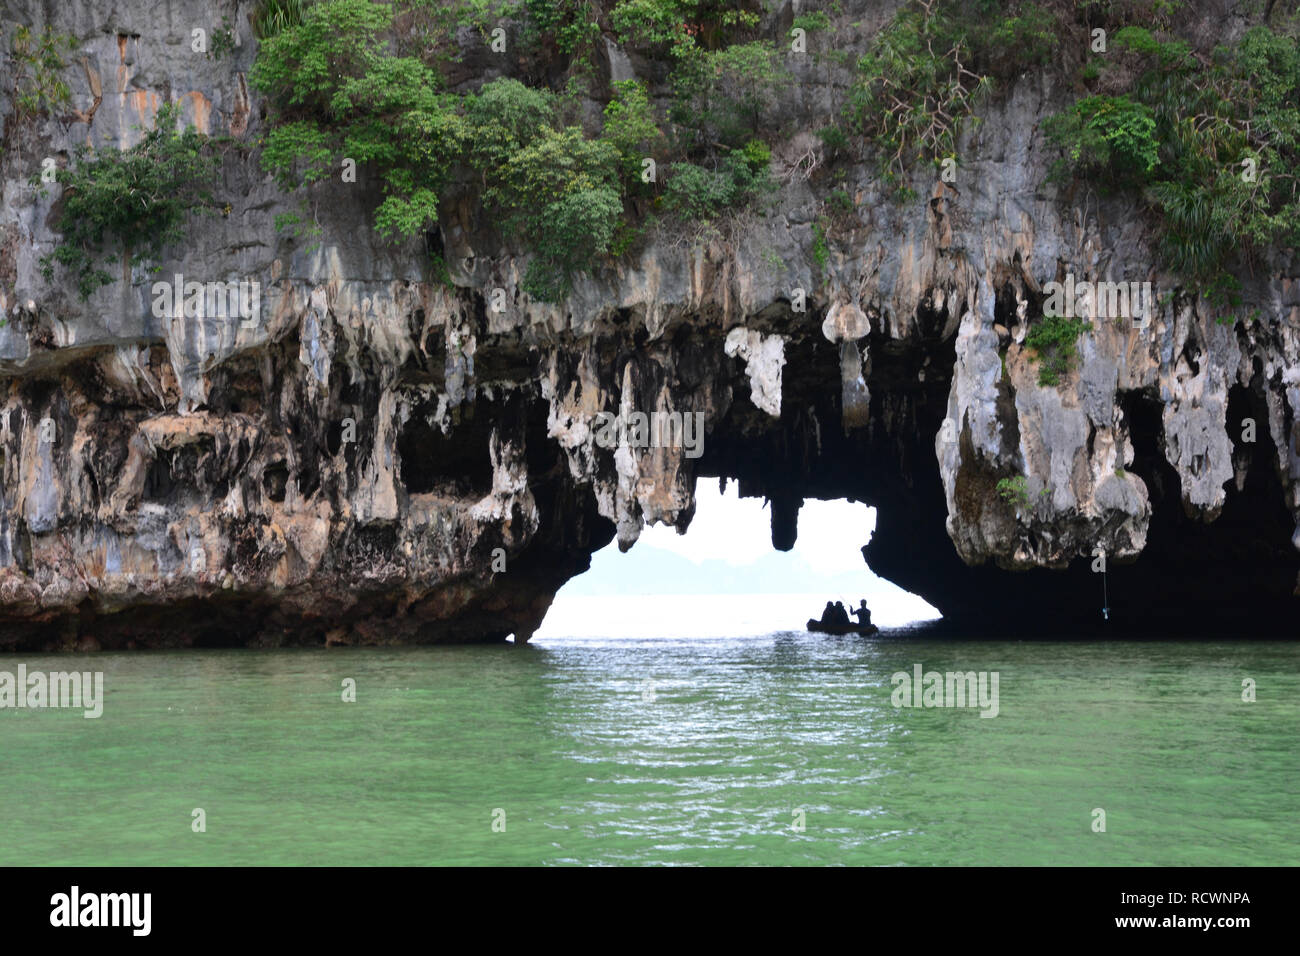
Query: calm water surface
662	751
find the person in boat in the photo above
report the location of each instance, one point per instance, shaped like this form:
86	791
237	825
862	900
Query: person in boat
863	614
839	616
828	614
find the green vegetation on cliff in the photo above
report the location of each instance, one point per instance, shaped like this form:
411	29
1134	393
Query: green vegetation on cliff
375	93
37	60
1211	141
141	196
1208	140
1054	338
341	89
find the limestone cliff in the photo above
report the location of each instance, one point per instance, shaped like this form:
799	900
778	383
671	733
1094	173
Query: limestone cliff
384	457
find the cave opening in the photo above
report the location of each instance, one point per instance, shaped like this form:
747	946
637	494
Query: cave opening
275	481
1196	575
174	473
457	464
724	577
1255	521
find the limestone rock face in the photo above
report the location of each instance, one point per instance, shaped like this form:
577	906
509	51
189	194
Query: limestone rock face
377	457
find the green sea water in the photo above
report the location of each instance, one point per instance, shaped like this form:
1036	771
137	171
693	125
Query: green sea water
784	749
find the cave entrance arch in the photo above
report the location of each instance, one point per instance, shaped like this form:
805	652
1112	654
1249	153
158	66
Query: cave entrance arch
724	578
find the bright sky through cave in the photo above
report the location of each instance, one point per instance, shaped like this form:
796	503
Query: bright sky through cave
724	578
739	530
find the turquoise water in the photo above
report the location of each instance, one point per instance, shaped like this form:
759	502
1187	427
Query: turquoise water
668	751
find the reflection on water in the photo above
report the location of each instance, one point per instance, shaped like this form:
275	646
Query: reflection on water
664	750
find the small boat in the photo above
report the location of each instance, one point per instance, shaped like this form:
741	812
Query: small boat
820	628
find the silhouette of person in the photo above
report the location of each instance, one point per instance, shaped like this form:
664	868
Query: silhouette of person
841	616
828	615
863	614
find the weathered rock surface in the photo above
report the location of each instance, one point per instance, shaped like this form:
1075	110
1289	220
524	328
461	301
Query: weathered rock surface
381	458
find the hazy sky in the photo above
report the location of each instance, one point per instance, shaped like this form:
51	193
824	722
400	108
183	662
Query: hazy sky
739	531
